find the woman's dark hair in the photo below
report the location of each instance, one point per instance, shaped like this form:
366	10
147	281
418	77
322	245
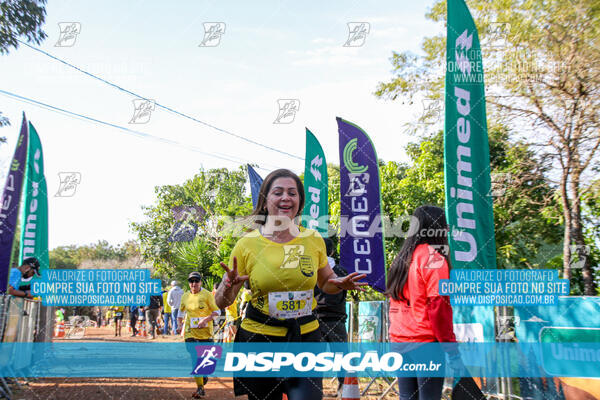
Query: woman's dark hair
329	249
261	204
431	229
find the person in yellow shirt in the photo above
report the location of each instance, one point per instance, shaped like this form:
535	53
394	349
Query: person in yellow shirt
200	309
282	262
166	315
245	299
117	312
231	321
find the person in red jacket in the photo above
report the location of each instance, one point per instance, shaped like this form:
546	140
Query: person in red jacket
417	312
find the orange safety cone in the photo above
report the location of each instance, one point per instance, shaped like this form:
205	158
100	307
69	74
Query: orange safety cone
144	333
61	329
350	389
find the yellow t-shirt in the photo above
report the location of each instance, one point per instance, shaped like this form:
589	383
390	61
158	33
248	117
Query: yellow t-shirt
279	267
231	312
166	306
197	306
246	296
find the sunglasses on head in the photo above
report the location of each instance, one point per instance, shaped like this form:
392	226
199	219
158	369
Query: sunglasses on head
193	280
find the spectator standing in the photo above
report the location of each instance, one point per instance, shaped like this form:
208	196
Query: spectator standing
418	313
109	316
245	299
30	267
152	313
60	315
142	318
166	315
174	300
133	317
99	317
232	321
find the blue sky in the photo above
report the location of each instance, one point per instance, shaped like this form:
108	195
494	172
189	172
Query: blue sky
270	51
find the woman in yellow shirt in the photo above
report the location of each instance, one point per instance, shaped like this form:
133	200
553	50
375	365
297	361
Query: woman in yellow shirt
282	263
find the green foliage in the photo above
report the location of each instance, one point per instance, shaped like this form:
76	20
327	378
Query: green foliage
221	194
591	210
3	122
196	255
525	217
64	257
591	214
21	18
97	254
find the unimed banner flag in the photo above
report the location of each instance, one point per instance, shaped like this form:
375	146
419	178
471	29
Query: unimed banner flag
361	237
9	206
469	206
34	220
316	206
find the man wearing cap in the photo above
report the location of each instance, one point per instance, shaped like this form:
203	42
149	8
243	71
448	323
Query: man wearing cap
30	267
200	309
174	301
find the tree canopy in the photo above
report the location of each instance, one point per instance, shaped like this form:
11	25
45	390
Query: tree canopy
20	19
218	193
96	255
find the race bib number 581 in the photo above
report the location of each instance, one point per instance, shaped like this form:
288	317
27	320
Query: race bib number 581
285	305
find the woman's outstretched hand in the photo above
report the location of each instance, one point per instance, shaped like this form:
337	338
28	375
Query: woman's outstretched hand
349	282
232	277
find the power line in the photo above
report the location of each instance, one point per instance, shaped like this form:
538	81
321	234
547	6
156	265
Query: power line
169	109
127	130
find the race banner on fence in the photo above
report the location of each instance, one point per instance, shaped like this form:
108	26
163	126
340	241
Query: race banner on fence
9	206
316	206
34	231
469	207
361	237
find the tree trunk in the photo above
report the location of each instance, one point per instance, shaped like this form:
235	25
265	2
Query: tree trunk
567	231
589	288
